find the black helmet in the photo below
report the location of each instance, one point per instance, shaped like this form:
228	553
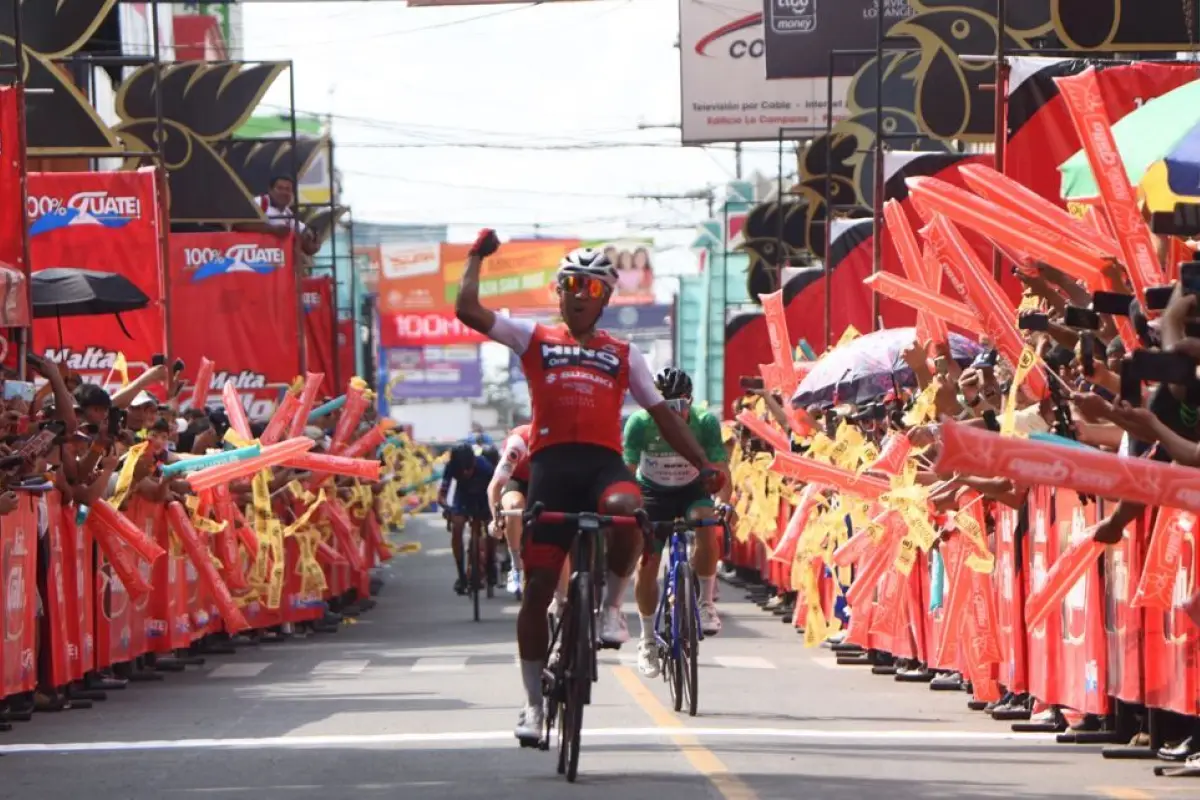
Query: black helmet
463	455
673	383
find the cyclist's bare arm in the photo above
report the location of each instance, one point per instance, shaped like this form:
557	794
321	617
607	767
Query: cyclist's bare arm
514	450
467	307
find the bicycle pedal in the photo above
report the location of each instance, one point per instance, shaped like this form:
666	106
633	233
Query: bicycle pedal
531	743
609	646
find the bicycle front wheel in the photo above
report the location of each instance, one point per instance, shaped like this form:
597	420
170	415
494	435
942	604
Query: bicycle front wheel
689	641
580	671
473	539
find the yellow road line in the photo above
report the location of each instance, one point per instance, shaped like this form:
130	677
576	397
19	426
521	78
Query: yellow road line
1124	793
700	757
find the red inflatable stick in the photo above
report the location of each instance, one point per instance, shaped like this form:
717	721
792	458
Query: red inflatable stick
1068	570
974	282
329	556
973	451
203	384
892	455
343	531
765	431
308	398
1004	191
928	302
351	414
271	456
858	545
227	540
781	346
1156	587
124	529
370	441
197	553
363	468
785	551
281	419
1008	228
913	263
1086	106
122	558
806	469
235	410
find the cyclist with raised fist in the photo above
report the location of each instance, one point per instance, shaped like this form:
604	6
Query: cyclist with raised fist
578	377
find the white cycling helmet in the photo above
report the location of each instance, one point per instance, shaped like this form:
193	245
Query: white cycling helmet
591	264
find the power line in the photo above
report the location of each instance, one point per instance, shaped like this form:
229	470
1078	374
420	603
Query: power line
471	187
512	146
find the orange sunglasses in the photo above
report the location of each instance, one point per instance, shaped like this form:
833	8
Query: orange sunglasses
574	284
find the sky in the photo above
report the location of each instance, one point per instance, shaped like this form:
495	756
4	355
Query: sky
400	84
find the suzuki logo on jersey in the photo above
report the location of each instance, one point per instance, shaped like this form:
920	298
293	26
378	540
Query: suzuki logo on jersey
573	355
82	208
209	262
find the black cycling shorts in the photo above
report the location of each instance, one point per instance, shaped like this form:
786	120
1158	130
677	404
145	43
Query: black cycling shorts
571	478
516	485
668	505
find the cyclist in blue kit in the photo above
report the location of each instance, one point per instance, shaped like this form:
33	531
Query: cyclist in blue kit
471	475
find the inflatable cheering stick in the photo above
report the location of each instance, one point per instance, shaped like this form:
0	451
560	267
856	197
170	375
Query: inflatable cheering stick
197	553
281	419
235	410
370	441
203	384
211	460
326	409
308	396
271	456
356	405
363	468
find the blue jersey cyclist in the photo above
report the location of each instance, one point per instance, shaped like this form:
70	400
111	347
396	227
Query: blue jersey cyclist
471	475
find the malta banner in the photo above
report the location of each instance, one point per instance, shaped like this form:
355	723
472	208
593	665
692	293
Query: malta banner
106	221
318	332
233	300
14	293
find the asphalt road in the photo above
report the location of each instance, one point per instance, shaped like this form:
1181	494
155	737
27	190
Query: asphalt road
418	702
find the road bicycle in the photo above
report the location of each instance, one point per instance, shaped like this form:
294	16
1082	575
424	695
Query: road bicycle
677	630
571	664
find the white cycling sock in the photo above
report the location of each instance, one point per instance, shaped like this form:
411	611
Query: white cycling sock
614	590
531	676
708	587
647	628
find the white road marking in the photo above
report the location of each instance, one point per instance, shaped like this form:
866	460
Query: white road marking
347	667
948	738
742	662
827	663
247	669
437	551
440	664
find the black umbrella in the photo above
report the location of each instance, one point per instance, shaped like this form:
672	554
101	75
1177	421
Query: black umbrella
67	292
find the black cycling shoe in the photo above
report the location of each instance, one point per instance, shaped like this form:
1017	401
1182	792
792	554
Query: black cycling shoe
460	586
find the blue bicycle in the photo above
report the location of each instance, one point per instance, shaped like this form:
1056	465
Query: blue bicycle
677	621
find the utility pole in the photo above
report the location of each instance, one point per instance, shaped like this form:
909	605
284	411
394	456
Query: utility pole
706	194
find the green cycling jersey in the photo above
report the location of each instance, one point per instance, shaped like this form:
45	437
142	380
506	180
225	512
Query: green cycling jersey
658	465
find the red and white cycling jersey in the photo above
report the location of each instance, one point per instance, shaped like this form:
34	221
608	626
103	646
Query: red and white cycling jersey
514	461
577	391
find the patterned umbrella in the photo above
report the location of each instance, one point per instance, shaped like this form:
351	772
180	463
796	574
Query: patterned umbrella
866	369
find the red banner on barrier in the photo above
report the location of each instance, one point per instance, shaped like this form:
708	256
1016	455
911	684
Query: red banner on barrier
61	606
106	221
319	315
233	299
18	563
79	572
14	291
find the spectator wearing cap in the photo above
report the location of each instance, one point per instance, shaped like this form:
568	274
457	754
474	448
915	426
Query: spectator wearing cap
142	411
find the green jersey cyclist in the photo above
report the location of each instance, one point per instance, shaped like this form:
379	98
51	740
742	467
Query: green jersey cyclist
671	488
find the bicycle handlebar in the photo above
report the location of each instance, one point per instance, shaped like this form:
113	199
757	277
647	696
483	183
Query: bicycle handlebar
538	514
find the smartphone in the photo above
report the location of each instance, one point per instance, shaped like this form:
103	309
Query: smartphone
115	417
1087	353
1161	367
157	360
39	444
1114	303
18	390
1183	221
1157	297
750	384
1034	322
1082	318
989	419
1131	384
1189	277
178	366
